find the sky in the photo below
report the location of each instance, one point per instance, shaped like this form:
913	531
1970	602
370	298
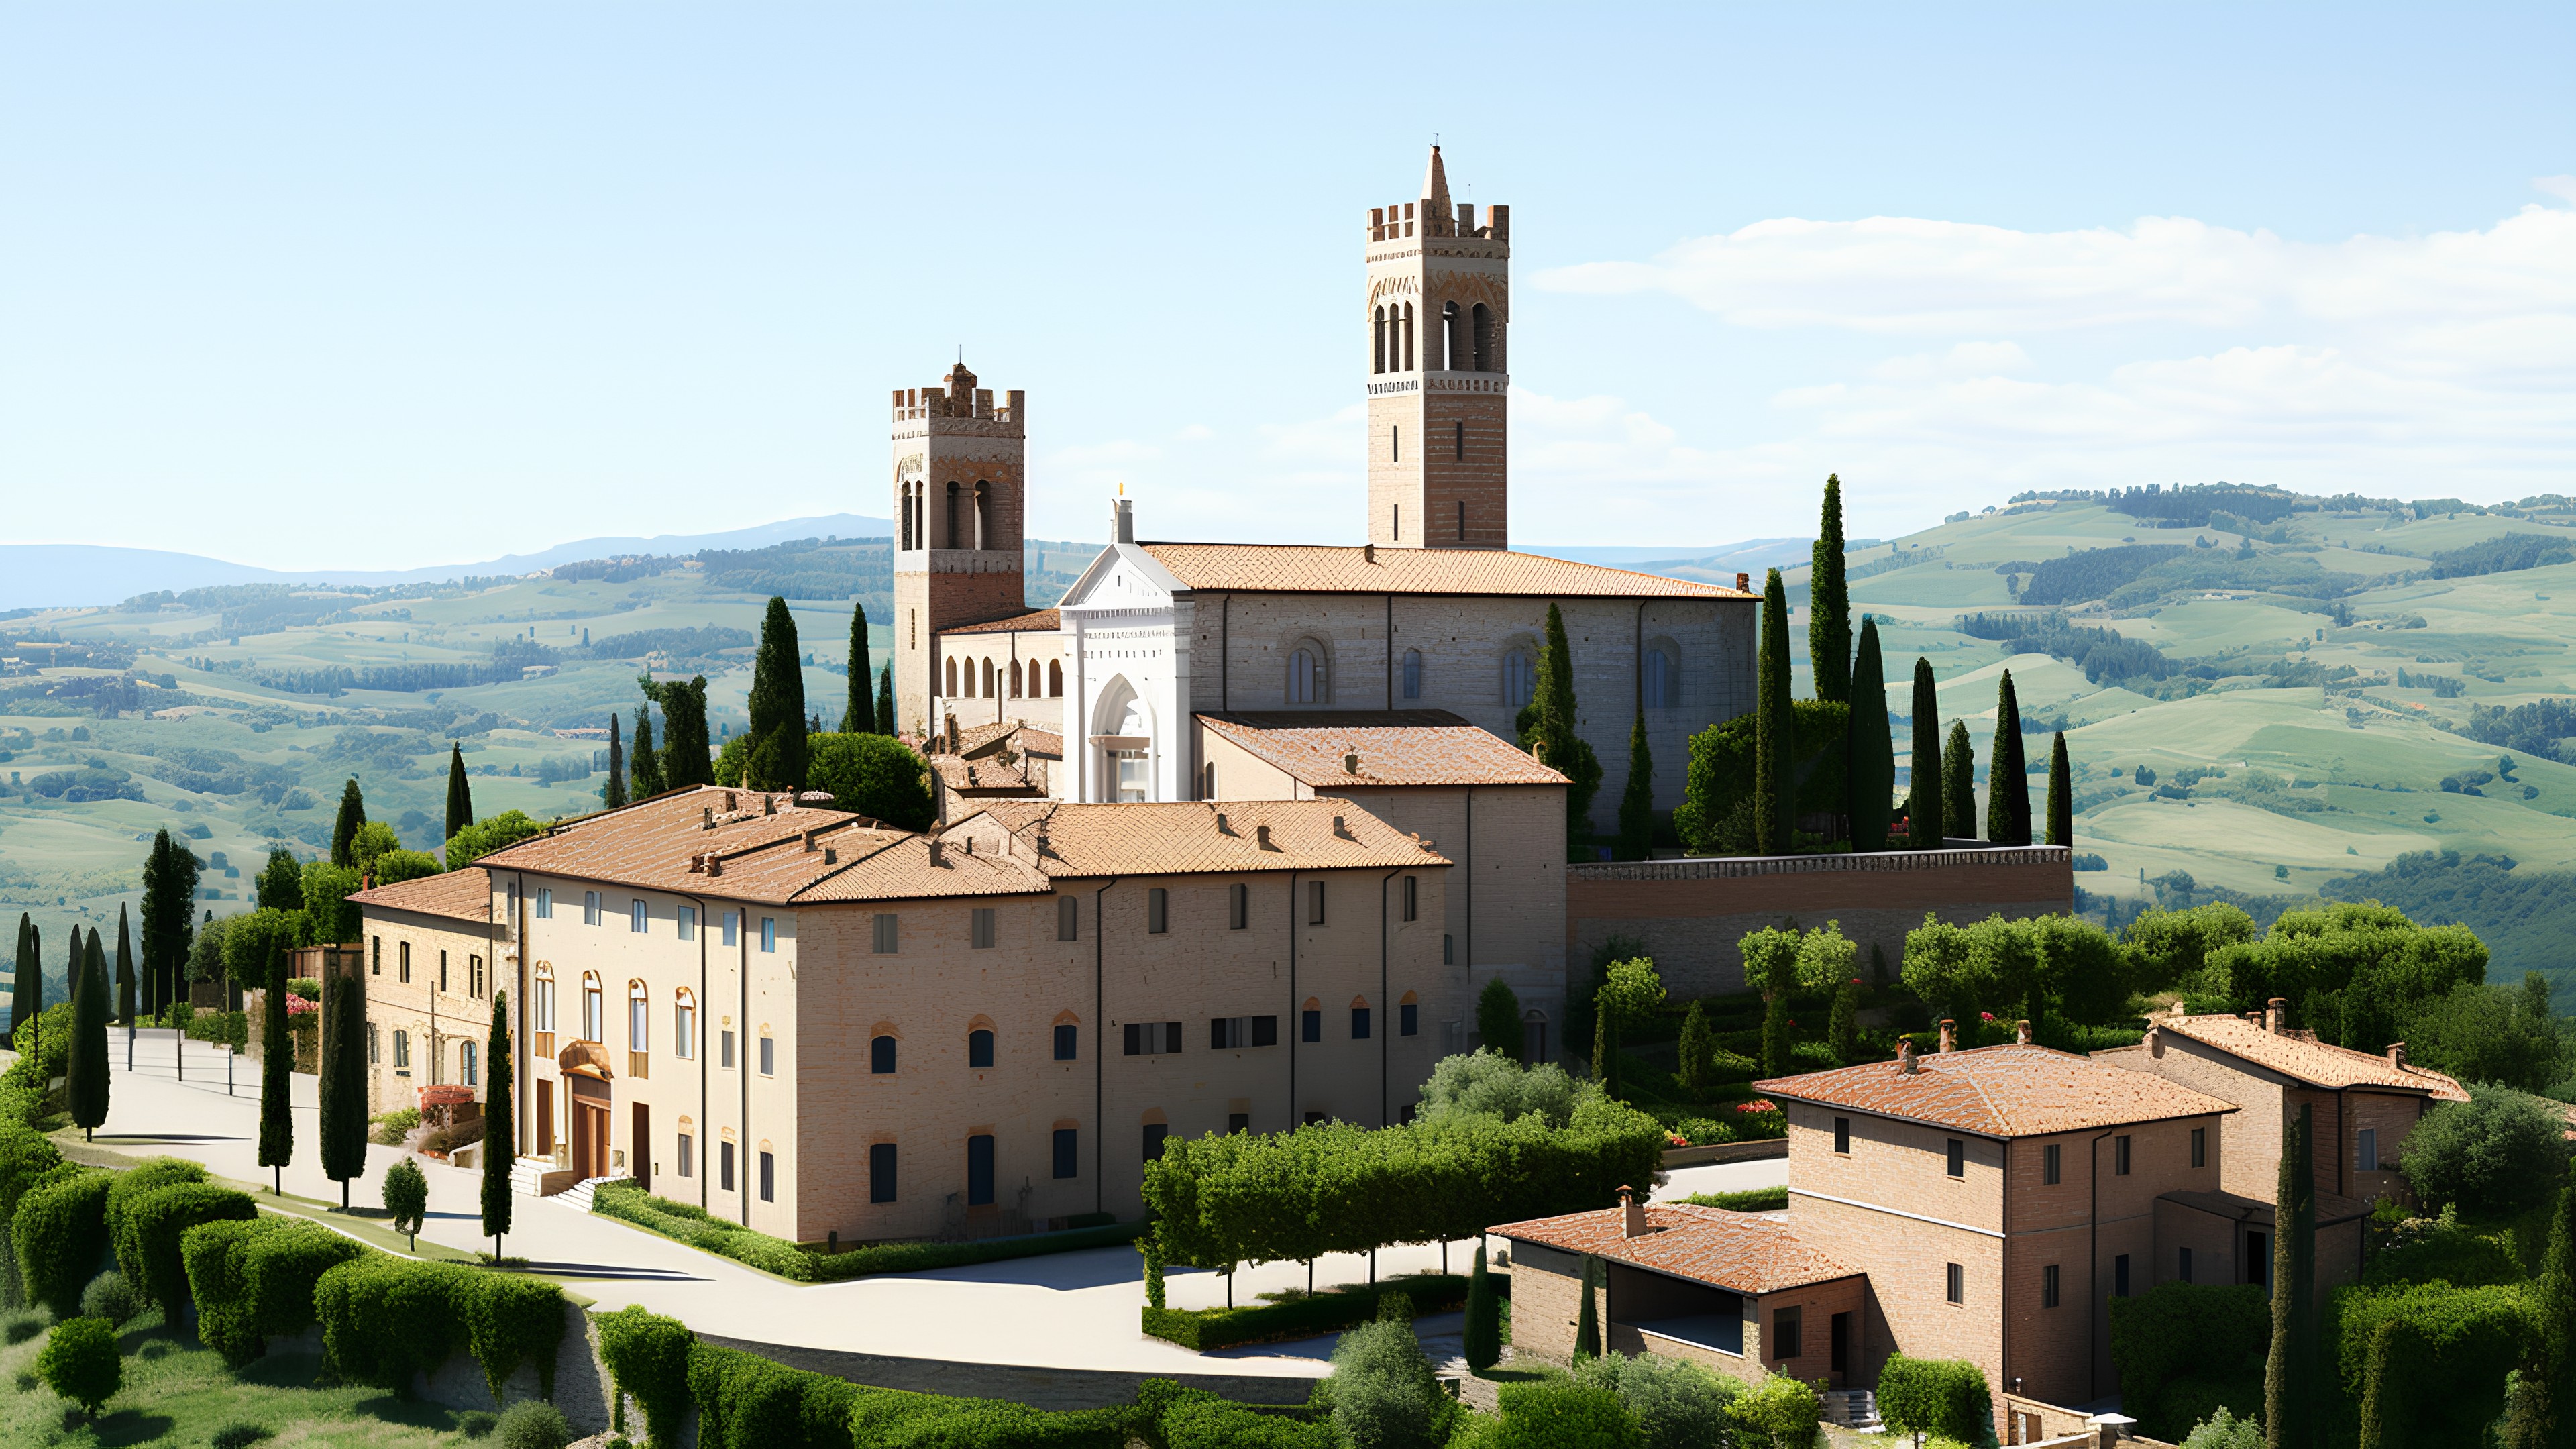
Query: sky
389	286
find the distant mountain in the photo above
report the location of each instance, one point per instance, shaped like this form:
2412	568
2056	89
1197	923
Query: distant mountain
70	575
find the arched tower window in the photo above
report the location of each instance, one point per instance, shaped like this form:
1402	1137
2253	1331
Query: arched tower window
951	690
1408	336
1055	679
1377	353
984	513
921	515
1445	354
904	494
948	533
1305	676
1485	348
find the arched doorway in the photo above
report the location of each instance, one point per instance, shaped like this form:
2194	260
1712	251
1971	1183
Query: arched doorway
1123	742
586	1075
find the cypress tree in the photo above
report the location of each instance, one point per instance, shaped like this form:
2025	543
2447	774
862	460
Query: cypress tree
72	969
1637	800
1484	1346
27	989
2007	773
1587	1322
2061	795
1842	1028
1498	1018
156	914
1829	635
500	1132
885	700
1959	784
1870	751
2289	1371
276	1065
460	796
1698	1048
168	927
124	968
613	794
776	743
1548	730
685	760
1605	1052
343	1124
281	882
859	712
2543	1415
644	766
88	1069
1925	810
1774	802
353	813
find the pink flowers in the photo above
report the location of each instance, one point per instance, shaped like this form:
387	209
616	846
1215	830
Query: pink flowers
1985	1016
1758	1104
1675	1139
297	1006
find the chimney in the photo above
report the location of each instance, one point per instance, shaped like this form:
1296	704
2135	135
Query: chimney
1949	1035
1122	520
768	803
1905	1056
2397	1055
707	818
1632	1214
831	856
1351	764
715	865
809	840
2156	1041
1221	827
1340	829
1744	583
1369	552
2021	1032
728	802
938	851
2276	1015
1261	834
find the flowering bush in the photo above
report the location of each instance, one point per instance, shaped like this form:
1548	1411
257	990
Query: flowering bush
297	1006
1758	1104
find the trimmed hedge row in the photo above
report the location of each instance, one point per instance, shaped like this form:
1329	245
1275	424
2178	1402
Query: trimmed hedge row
1197	1419
60	1232
149	1232
693	1225
1943	1397
385	1318
254	1279
1752	1200
1330	1311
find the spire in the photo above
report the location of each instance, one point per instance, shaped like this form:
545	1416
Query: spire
1435	186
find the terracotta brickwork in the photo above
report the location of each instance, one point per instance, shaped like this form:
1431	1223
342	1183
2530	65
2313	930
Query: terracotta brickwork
1690	914
959	493
1437	319
404	952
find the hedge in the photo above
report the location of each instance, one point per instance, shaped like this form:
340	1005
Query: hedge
512	1320
1945	1397
385	1319
1330	1311
256	1278
1754	1200
1243	1197
148	1233
2449	1349
1196	1419
60	1232
648	1356
150	1175
2184	1349
693	1225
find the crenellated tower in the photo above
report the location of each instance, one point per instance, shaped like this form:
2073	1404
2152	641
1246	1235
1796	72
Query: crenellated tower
960	501
1439	308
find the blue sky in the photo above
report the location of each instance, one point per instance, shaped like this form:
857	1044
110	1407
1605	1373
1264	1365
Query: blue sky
387	287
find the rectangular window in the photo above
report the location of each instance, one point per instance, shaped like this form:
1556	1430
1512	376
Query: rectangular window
1958	1158
2120	1155
768	1056
442	971
768	933
687	916
2052	1164
1359	1023
2365	1149
979	928
724	1166
402	962
1265	1031
1238	906
2200	1146
688	1155
1462	443
372	1057
732	924
881	1172
402	1053
545	903
1408	1019
1310	1026
635	917
1158	911
1068	1152
1448	950
638	1031
1412	897
590	908
474	975
1958	1285
376	960
1238	1122
979	1171
545	1003
1068	918
1314	903
885	939
1068	1042
724	1049
684	1031
1155	1132
768	1177
1842	1135
1786	1324
2120	1276
2048	1296
1153	1038
2182	1265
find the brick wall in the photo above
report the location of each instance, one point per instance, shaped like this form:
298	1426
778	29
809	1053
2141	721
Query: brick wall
435	1024
1690	914
2250	1162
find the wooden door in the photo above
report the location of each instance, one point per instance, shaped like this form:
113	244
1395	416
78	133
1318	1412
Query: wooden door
641	1147
545	1118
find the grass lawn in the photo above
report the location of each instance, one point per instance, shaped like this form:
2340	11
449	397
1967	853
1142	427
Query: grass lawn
177	1392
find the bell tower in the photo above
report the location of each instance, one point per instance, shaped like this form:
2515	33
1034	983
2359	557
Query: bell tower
1439	308
960	496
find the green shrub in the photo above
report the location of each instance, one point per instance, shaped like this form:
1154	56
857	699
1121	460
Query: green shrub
512	1320
147	1234
391	1127
1179	1418
2426	1250
897	1420
1492	1085
2185	1349
406	1197
1385	1394
1778	1413
1675	1404
748	1402
1558	1414
2498	1153
150	1175
21	1327
694	1226
534	1424
79	1361
1329	1311
60	1233
241	1435
648	1355
2444	1381
1752	1200
1945	1397
254	1278
25	1157
384	1319
476	1424
110	1297
2223	1430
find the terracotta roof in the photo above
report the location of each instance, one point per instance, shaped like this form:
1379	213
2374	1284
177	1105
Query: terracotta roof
1202	836
960	773
1395	747
1741	1252
1040	621
1337	569
2000	1091
2301	1057
908	870
761	856
464	895
1045	744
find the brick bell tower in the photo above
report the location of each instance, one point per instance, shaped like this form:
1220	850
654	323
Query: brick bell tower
960	496
1439	305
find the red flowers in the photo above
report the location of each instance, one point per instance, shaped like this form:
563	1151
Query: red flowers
1758	1104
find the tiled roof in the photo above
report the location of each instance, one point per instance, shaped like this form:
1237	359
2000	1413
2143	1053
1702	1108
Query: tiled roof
1739	1252
2000	1091
1041	621
465	895
1045	744
760	856
987	739
2299	1056
1198	837
960	773
1336	569
907	870
1398	747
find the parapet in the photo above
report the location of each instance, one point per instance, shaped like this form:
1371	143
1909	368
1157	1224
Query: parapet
914	404
1392	223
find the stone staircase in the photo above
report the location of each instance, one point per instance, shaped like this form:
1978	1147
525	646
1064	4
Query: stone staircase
1852	1408
578	1195
539	1177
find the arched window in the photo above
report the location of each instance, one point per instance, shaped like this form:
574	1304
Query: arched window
684	1024
1484	328
1135	766
1408	336
1015	679
1534	1037
979	1047
594	1009
1520	678
948	535
1660	684
1377	348
545	1003
988	679
984	513
469	1063
639	1018
1451	353
881	1056
1305	676
920	515
1055	679
1413	674
951	690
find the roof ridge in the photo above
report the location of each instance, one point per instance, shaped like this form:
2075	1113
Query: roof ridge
2000	1115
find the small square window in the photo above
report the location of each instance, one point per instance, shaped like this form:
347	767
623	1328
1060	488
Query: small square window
1158	911
1238	1122
1842	1135
1958	1158
1359	1023
1958	1282
1265	1031
1068	1042
2048	1294
1068	918
768	933
881	1172
980	928
2052	1164
885	939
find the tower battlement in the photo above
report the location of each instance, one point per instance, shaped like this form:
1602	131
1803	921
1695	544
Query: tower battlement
1438	318
1395	223
957	396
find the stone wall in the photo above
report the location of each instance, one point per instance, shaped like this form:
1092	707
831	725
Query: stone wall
1689	914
